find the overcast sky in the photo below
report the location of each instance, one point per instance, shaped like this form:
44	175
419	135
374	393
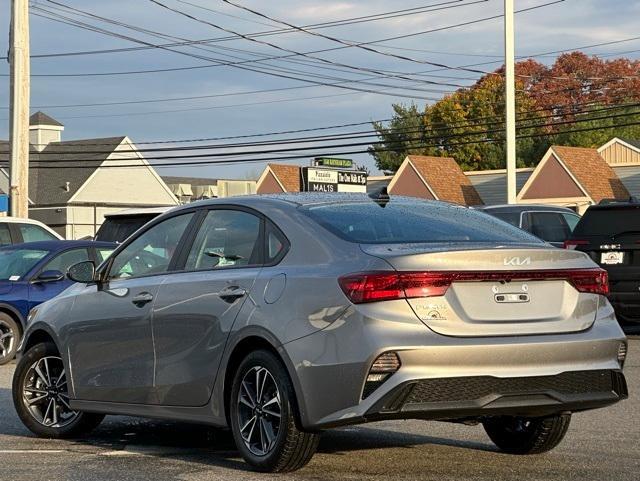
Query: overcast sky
564	25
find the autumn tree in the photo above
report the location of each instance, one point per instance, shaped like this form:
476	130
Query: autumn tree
468	124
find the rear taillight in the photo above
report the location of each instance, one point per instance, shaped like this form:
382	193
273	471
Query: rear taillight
384	286
571	244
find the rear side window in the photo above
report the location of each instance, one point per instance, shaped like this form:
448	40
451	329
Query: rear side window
227	238
512	218
409	222
549	226
5	235
612	221
34	233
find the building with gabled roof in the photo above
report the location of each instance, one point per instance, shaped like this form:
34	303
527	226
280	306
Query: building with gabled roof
437	178
279	178
574	177
72	184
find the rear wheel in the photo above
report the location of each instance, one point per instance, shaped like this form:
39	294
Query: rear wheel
520	435
41	396
262	416
9	338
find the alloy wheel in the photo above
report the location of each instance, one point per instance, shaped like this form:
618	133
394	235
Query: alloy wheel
45	393
7	339
259	410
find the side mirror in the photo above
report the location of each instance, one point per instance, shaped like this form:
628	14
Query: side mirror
49	276
84	272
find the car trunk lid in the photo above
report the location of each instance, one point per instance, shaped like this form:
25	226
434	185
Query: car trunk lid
497	291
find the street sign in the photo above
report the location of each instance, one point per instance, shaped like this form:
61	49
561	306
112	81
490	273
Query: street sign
328	180
333	162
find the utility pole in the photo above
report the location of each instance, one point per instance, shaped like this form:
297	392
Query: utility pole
510	99
19	109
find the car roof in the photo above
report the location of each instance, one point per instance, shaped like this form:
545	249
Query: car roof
58	245
615	205
303	199
140	211
526	207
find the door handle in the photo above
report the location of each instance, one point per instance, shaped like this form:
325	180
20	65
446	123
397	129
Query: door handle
141	299
230	294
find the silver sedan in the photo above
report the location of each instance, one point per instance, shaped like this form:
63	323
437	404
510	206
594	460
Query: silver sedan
282	316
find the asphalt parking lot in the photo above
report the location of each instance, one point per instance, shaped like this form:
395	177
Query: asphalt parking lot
600	445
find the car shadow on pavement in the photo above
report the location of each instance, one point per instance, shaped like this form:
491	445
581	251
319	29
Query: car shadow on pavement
215	447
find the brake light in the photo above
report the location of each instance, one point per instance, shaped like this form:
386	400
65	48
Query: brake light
571	244
384	286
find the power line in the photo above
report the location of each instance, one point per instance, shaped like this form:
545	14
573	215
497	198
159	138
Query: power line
469	122
319	153
273	71
306	141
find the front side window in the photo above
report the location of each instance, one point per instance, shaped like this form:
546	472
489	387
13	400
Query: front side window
62	262
102	253
152	251
15	263
227	238
35	233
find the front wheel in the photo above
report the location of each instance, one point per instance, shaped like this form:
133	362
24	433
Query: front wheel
262	416
41	396
519	435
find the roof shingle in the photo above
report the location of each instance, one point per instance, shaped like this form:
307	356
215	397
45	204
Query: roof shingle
40	118
48	182
446	179
593	173
288	175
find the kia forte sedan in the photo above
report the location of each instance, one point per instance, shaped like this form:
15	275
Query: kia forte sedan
283	316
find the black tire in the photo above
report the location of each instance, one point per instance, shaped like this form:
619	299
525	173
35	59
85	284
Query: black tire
519	435
291	447
24	377
8	345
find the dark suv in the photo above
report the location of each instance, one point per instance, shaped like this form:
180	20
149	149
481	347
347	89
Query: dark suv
610	233
549	223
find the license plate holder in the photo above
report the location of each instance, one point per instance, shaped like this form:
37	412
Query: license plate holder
612	257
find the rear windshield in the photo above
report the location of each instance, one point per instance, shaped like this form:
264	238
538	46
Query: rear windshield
613	221
117	229
414	222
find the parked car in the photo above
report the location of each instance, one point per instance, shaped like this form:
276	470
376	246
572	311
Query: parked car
610	234
117	226
34	272
549	223
15	230
282	316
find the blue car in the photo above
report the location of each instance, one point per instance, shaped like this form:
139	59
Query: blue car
35	272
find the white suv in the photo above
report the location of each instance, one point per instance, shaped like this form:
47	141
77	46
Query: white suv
15	230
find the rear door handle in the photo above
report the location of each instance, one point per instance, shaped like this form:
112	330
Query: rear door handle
141	299
230	294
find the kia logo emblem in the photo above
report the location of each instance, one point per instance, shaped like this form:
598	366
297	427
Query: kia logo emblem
517	261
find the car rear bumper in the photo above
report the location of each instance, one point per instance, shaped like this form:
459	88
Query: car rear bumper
447	377
477	396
